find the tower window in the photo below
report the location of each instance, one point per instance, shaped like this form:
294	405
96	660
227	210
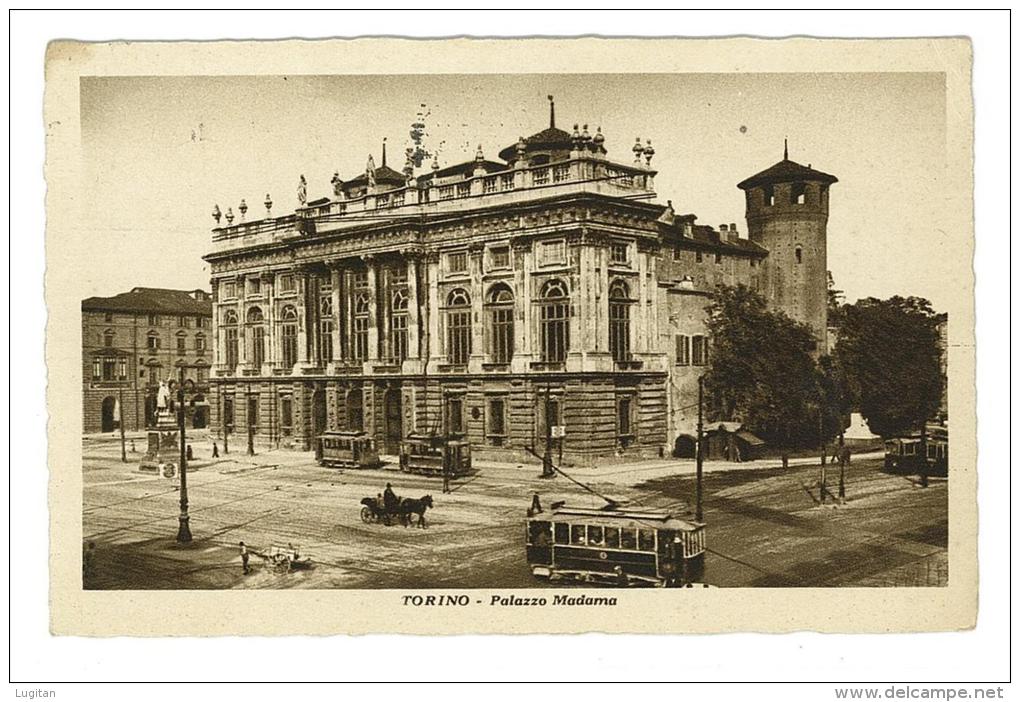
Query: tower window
797	193
770	196
799	253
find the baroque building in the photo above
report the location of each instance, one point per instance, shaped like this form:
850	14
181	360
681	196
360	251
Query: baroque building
132	341
493	298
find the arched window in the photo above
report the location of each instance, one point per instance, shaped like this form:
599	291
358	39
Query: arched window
355	413
619	321
288	335
555	321
182	342
398	325
108	338
799	253
326	326
230	334
359	331
256	336
458	327
152	340
500	308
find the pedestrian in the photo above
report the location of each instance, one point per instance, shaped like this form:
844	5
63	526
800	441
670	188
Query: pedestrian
189	454
88	561
244	559
215	450
536	505
844	456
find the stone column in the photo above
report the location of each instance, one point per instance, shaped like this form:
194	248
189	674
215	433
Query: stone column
413	349
373	308
348	313
475	255
242	326
302	320
434	344
523	309
338	316
269	343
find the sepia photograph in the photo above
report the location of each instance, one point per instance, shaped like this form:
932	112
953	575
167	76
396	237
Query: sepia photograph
514	331
604	342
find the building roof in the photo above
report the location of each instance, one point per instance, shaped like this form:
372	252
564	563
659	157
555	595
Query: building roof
786	171
467	168
154	300
383	174
548	138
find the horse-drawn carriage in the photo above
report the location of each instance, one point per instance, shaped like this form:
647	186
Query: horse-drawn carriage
346	449
286	559
435	455
409	511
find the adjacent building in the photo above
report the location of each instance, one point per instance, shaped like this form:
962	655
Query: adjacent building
133	340
497	298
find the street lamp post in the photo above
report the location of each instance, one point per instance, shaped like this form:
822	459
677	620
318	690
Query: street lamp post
251	426
184	528
700	451
547	467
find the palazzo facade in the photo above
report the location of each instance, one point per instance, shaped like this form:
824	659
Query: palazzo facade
487	299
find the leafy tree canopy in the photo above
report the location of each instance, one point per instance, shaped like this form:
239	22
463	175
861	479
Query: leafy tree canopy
762	370
889	351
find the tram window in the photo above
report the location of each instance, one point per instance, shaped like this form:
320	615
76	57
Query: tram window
628	539
646	540
539	533
595	535
562	534
577	534
665	539
612	537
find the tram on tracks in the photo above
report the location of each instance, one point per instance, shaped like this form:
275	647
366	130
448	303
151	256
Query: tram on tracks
346	449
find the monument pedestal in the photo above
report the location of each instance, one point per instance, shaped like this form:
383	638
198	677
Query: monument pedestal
164	449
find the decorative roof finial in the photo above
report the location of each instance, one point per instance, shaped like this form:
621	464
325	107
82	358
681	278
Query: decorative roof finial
435	162
786	151
638	150
552	113
230	216
599	139
584	133
243	208
649	152
216	214
338	185
269	204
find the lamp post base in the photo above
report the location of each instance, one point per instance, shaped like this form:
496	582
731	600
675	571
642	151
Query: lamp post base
184	530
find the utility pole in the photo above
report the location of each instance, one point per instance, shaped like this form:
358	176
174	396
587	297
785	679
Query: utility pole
924	454
223	420
842	468
547	467
700	454
184	528
251	426
120	420
821	487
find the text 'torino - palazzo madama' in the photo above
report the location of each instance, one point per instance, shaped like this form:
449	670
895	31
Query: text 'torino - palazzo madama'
468	299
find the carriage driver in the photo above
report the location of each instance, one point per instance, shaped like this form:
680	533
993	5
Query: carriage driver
390	499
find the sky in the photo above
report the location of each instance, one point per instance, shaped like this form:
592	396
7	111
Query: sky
159	152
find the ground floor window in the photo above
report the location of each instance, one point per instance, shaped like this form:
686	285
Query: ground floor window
455	415
496	425
228	413
253	412
625	419
286	415
355	411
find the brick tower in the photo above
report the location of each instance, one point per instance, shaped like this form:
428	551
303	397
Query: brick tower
787	211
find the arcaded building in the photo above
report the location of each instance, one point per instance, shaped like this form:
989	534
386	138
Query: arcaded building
469	299
132	341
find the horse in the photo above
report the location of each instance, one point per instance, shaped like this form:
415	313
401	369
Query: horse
409	506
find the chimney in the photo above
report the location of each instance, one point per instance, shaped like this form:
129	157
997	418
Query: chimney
723	228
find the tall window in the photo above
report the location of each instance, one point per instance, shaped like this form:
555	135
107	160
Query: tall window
288	336
200	343
455	414
619	321
501	323
228	412
359	345
457	262
683	350
97	368
108	338
799	253
286	283
624	418
355	412
230	329
699	350
286	415
458	327
152	341
184	321
555	321
256	335
496	429
398	326
326	326
182	342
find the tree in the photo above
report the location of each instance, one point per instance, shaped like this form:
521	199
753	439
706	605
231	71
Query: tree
889	350
762	371
834	301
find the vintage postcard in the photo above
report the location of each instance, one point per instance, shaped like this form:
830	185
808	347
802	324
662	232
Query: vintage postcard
460	336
